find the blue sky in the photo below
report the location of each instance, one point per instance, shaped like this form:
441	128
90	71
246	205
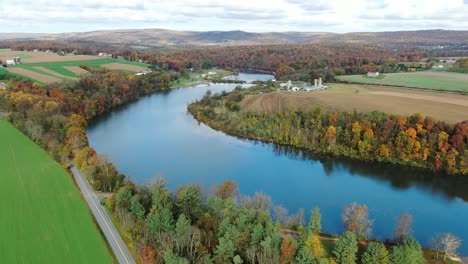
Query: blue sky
49	16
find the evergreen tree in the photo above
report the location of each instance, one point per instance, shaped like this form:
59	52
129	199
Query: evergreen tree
410	252
346	248
376	253
137	208
315	224
224	250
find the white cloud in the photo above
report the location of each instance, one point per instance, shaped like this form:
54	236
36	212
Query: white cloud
249	15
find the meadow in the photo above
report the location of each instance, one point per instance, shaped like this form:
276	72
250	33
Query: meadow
44	219
444	81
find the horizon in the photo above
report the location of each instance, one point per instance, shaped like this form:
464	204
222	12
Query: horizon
335	16
234	30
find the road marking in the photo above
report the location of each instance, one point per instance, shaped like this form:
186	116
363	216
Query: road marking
92	203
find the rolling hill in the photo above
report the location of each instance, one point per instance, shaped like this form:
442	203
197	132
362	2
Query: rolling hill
171	38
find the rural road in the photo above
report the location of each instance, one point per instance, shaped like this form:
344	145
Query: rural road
113	237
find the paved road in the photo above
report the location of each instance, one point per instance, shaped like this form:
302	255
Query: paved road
113	237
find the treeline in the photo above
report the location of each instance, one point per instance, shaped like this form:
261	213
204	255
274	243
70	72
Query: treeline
295	62
55	116
191	226
415	140
70	47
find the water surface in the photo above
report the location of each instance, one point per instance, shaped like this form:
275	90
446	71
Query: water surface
156	136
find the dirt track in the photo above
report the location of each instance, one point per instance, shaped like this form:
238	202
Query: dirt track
34	75
451	108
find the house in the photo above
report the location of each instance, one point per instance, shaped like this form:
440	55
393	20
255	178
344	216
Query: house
3	86
10	62
373	74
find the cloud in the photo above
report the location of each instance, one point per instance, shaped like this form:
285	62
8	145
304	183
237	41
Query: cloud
257	16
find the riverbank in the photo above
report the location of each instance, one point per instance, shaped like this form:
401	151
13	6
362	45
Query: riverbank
346	134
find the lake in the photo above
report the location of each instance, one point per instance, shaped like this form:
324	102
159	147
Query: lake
156	136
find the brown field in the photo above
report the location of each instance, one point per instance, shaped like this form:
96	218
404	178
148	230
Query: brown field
33	57
43	69
451	108
34	75
121	66
76	70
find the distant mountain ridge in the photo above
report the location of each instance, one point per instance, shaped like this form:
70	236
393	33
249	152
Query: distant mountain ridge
172	38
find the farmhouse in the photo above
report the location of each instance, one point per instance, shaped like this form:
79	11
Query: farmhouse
373	74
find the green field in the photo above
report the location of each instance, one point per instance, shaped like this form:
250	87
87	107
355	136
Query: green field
446	81
59	66
43	217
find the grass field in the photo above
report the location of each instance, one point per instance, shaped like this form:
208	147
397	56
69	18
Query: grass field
448	107
48	67
447	81
43	217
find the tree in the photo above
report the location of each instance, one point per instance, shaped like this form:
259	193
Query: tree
356	219
403	229
224	250
314	246
280	213
447	243
237	260
288	250
346	248
137	208
228	189
408	252
123	197
315	224
147	254
188	201
376	253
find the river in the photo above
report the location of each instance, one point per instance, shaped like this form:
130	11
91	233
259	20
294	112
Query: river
156	136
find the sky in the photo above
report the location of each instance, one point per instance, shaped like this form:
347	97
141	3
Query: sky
341	16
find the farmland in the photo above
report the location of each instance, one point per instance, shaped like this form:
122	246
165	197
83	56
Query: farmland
47	67
446	81
448	107
44	219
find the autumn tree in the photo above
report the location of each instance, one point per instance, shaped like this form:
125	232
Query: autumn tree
356	220
228	189
315	247
288	250
403	229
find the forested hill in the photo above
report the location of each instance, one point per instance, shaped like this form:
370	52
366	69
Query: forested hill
181	39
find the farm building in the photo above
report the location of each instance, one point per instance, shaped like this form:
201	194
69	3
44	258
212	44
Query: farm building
373	74
14	61
104	54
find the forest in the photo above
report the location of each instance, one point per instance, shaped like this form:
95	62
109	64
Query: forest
415	140
56	116
220	226
295	62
